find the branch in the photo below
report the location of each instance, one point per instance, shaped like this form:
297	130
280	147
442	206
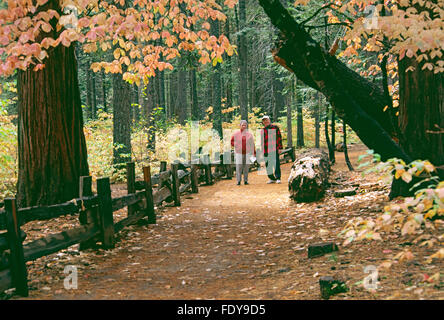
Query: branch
329	24
317	12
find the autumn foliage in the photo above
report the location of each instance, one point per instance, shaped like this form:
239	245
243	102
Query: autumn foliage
143	35
412	28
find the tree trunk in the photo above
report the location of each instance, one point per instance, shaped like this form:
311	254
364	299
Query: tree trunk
356	100
195	112
317	115
52	151
217	94
347	160
148	109
243	74
327	136
421	110
88	90
279	102
93	94
333	136
172	93
161	75
181	101
421	121
289	126
229	80
309	176
135	104
121	121
105	106
300	120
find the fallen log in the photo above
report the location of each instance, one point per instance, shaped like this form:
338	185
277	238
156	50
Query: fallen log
309	176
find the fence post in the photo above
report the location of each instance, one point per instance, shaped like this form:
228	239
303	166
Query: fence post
87	216
293	154
207	164
176	182
131	183
149	195
163	166
105	213
17	259
221	167
227	164
194	179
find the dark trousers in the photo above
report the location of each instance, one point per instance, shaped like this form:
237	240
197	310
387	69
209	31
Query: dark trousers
273	166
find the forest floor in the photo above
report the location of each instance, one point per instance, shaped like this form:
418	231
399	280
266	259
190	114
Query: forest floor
242	242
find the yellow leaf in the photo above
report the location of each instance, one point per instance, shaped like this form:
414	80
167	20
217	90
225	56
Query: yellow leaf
117	53
399	173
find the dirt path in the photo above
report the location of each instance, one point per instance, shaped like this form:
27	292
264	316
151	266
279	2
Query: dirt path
228	242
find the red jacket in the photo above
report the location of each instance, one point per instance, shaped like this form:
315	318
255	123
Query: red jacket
271	139
243	142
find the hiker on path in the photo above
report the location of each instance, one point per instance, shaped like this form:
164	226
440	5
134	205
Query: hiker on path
271	144
244	150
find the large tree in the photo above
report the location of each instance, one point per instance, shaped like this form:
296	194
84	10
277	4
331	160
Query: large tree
52	150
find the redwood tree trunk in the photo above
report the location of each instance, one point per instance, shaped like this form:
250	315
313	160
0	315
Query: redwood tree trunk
51	145
421	110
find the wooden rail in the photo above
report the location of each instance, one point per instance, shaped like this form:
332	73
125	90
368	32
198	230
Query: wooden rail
96	212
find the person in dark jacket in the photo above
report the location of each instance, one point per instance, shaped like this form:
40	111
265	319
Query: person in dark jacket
271	144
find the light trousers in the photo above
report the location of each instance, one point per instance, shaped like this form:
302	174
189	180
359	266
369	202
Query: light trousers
242	166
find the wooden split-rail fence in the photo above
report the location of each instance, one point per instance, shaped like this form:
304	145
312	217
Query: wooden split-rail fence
95	212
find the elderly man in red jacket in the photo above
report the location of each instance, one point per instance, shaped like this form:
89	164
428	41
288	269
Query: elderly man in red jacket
244	149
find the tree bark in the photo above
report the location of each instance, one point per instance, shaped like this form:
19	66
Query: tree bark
121	121
94	96
327	135
181	102
217	94
195	114
228	74
317	115
105	106
289	125
88	90
243	72
279	101
300	120
333	136
421	110
347	160
52	151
